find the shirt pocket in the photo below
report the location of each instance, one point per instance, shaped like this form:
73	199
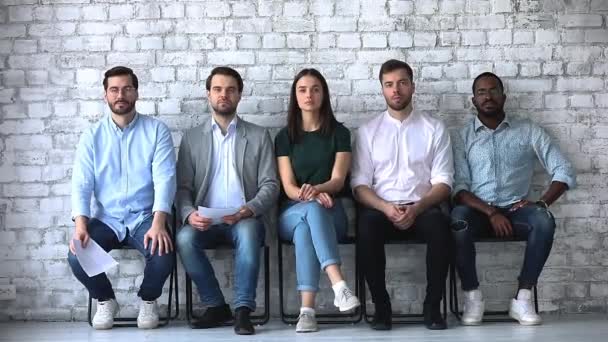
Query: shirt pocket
517	153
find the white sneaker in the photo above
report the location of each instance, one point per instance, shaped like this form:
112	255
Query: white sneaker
345	299
306	323
104	317
148	315
473	308
522	309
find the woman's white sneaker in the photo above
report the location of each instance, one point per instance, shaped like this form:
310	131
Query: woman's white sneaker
522	309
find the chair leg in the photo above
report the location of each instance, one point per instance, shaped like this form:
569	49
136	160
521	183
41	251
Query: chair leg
90	308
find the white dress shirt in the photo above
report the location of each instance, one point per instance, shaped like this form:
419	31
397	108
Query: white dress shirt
400	161
225	190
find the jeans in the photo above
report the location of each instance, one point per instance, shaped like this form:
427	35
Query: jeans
314	231
246	236
156	271
431	227
531	223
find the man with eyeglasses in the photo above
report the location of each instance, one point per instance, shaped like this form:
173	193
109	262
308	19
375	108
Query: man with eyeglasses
126	163
494	156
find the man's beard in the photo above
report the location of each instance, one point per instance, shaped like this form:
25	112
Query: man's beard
224	112
400	107
124	110
490	113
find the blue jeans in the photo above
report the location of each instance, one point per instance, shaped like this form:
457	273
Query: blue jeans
246	236
156	271
315	231
531	223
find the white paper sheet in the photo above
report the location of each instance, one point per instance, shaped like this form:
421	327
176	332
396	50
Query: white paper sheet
216	214
93	259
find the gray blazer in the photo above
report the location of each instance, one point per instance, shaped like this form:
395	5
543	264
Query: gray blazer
255	163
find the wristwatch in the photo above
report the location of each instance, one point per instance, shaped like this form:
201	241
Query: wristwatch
542	203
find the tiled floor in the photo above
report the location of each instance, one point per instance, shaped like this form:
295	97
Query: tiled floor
583	328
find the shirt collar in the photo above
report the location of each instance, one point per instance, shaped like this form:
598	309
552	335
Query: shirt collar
477	124
231	126
392	120
117	128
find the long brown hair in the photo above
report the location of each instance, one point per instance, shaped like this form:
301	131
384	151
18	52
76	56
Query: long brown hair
294	113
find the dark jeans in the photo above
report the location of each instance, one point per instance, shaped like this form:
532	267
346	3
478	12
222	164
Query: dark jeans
531	223
431	227
156	271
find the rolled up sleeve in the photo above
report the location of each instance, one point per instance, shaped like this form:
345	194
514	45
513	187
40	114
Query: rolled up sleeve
163	171
442	169
362	169
83	176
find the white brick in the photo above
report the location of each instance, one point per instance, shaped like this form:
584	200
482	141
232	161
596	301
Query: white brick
553	68
581	100
121	12
521	53
273	41
601	100
455	71
13	111
295	9
452	6
293	25
151	43
13	78
488	54
432	72
96	12
377	24
499	37
124	44
529	69
6	47
89	43
281	57
426	6
25	190
449	38
578	53
162	74
131	58
248	41
163	27
39	110
349	40
37	77
556	101
427	39
62	77
169	106
67	13
43	13
528	85
217	9
88	76
578	69
269	8
248	25
99	28
357	72
579	84
478	68
243	9
176	43
573	36
473	38
347	7
10	31
580	20
596	36
325	41
25	46
480	22
20	13
259	73
430	56
298	41
547	37
233	57
67	108
321	7
336	24
172	11
523	37
372	40
81	60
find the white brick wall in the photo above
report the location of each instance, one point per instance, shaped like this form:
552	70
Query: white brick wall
553	56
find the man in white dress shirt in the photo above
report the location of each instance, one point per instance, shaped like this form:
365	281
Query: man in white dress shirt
403	169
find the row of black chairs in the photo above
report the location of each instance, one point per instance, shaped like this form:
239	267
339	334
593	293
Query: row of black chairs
323	318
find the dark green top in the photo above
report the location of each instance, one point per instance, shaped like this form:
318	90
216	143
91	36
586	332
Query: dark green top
312	159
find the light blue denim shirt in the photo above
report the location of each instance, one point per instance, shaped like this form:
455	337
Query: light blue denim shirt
130	172
497	165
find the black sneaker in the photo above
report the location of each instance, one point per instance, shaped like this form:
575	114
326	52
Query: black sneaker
242	323
433	320
213	317
383	319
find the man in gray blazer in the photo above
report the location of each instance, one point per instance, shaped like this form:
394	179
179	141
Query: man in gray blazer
226	162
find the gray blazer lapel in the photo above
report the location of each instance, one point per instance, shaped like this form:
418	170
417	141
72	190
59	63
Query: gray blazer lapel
206	157
240	145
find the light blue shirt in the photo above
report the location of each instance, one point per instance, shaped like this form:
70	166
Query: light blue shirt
130	173
225	190
497	165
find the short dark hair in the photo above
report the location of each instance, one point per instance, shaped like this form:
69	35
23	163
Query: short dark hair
226	71
119	71
488	74
392	65
294	112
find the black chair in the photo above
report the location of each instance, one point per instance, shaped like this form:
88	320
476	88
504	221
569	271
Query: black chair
163	320
399	318
259	319
454	291
352	317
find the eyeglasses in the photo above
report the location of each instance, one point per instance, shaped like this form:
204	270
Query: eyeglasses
128	90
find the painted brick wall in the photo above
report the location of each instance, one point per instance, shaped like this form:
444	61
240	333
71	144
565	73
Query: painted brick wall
552	55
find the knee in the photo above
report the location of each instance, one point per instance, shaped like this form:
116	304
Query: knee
460	218
543	224
185	239
313	208
73	261
248	234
